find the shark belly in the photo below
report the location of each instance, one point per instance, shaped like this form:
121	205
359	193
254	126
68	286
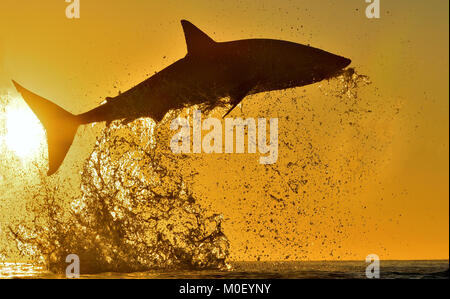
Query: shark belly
187	82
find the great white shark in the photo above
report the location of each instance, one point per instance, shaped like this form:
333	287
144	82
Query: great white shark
209	72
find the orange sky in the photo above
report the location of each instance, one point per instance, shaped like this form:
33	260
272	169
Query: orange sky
399	209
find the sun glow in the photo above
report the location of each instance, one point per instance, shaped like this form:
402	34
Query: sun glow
24	132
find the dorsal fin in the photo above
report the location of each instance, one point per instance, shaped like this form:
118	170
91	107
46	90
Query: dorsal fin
197	41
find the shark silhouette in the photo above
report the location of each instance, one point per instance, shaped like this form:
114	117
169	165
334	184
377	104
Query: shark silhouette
209	72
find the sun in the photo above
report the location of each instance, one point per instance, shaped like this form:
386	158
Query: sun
24	132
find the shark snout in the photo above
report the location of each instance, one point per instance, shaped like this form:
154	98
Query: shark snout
339	62
345	62
336	65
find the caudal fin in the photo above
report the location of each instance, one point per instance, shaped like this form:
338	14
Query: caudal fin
60	126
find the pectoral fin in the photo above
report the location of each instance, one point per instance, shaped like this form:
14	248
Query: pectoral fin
238	95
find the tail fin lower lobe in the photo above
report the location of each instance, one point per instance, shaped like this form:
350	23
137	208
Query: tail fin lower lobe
60	126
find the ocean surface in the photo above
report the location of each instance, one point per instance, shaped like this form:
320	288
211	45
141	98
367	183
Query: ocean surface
261	270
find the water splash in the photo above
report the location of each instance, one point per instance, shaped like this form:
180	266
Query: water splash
140	206
134	212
